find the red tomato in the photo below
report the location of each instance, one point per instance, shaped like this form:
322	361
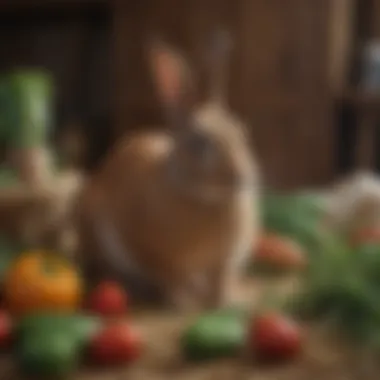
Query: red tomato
108	299
116	344
275	337
365	235
279	251
6	330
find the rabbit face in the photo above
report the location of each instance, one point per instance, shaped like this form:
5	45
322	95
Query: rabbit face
212	155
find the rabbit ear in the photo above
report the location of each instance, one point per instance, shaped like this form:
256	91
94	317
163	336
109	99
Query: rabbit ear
218	60
171	76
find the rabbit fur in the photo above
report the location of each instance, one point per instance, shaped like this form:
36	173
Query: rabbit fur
175	208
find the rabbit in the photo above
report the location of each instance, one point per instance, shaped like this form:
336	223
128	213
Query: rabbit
176	208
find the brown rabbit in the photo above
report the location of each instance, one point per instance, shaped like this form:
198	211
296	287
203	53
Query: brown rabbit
175	208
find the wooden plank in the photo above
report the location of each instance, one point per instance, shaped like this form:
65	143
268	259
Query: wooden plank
287	61
316	128
128	70
341	36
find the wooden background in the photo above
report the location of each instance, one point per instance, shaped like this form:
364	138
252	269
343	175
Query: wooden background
279	77
278	80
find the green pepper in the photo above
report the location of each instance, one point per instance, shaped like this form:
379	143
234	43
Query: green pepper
45	353
215	335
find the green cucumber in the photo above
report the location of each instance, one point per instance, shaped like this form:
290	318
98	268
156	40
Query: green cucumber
79	327
44	353
220	334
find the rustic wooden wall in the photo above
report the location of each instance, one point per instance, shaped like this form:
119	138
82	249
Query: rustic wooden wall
279	78
278	74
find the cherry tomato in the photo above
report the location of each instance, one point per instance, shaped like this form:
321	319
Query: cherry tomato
6	330
108	299
274	337
278	251
365	235
117	344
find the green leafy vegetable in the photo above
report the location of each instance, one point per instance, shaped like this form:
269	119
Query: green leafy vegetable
296	216
342	288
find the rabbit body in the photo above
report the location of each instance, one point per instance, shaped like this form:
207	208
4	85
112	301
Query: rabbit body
175	208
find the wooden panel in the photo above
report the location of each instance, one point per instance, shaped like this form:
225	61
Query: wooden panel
341	35
288	60
129	73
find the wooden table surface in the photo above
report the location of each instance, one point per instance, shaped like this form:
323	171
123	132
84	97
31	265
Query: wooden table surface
323	359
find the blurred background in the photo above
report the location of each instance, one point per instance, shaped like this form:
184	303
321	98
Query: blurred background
304	73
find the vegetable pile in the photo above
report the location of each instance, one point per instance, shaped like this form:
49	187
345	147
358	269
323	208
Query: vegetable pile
45	327
341	281
290	235
51	325
341	288
266	336
291	230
